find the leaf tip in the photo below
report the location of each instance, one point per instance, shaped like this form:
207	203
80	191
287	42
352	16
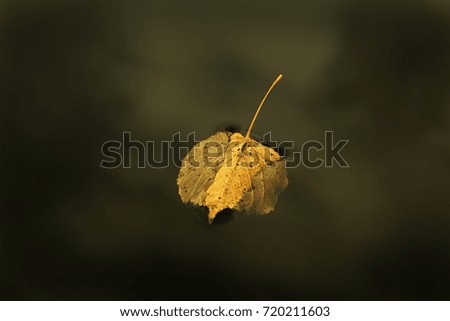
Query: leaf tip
212	215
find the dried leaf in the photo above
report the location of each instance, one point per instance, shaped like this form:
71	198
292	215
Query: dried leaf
229	170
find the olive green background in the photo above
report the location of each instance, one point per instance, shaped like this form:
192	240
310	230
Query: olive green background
75	74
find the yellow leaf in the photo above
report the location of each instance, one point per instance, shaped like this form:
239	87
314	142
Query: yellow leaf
229	170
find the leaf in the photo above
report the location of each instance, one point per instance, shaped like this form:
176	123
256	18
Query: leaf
229	170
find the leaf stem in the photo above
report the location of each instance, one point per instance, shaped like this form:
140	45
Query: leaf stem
260	105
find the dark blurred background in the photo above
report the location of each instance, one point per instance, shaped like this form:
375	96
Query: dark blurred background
75	74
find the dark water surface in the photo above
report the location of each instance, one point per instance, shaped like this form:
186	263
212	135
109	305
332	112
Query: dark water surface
78	73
